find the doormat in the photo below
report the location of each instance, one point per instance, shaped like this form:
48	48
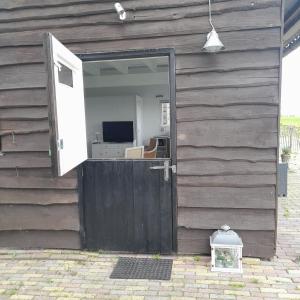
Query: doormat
142	268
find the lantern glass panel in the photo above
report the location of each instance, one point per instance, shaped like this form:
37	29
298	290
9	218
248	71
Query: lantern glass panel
226	258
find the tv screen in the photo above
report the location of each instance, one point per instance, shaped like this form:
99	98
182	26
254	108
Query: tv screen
118	132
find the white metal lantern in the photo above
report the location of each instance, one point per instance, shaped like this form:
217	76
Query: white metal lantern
226	251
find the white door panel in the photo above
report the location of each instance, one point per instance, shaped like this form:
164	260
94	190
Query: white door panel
68	111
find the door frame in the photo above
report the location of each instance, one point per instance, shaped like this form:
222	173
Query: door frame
170	52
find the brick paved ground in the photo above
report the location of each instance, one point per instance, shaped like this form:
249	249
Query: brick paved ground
83	275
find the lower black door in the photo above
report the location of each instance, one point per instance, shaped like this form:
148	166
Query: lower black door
127	206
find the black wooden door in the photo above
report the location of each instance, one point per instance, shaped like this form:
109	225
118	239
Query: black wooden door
127	206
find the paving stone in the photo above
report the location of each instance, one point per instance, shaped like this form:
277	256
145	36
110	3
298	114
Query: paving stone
68	274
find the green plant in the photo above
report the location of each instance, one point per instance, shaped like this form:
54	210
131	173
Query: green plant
286	151
237	285
197	258
156	256
254	280
10	292
286	213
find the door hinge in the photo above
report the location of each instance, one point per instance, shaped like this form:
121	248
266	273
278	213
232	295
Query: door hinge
60	144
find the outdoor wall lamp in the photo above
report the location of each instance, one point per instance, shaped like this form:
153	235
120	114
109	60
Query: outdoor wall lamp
213	43
121	11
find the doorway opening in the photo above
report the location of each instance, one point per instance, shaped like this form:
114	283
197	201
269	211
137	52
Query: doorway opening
129	180
127	104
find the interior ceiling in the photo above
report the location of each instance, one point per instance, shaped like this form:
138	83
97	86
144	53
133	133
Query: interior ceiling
291	38
126	66
127	77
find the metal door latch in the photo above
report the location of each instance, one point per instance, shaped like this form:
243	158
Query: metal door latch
166	167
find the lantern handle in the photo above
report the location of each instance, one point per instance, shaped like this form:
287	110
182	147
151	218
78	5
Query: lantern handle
225	227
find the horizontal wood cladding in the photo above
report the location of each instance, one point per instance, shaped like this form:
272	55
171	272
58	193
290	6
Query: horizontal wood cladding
256	243
33	239
227	108
23	97
38	217
191	63
243	19
25	76
227	79
228	180
97	14
34	76
257	133
25	142
28	126
233	112
228	96
37	196
213	167
28	113
34	172
31	182
25	160
133	7
212	218
189	153
226	197
185	44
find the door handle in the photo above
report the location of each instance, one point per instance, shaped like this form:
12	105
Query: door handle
166	167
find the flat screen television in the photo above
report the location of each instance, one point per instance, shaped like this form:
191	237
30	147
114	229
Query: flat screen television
118	132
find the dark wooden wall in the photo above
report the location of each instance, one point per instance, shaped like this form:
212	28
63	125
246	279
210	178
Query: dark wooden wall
227	114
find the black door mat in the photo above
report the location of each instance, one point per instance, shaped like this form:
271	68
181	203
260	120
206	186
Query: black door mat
142	268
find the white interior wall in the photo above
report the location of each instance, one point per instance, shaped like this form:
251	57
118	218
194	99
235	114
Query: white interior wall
108	108
122	108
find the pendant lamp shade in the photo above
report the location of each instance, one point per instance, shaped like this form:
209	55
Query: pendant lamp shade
213	43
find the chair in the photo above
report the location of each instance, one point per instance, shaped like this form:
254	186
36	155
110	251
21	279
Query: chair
151	149
134	152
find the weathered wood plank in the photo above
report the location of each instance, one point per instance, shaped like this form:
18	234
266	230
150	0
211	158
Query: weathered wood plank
25	76
22	4
34	172
227	181
212	218
184	44
25	142
213	167
8	126
223	61
257	133
227	79
38	197
226	154
18	182
228	96
36	239
256	243
227	197
94	14
38	217
260	18
24	113
25	160
22	98
233	112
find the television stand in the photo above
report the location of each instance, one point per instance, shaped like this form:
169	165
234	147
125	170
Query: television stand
110	150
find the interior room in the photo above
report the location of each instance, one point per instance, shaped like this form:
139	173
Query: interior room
127	103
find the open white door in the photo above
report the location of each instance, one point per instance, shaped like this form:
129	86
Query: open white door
67	113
